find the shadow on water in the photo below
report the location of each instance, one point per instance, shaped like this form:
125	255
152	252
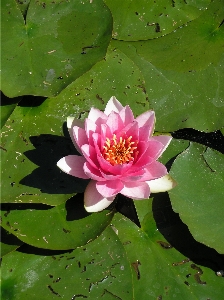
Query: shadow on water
48	177
178	235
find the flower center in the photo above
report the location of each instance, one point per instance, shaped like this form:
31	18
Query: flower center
119	152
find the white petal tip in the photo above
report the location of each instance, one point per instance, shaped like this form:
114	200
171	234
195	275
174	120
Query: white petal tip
113	105
70	121
162	184
93	200
101	205
63	165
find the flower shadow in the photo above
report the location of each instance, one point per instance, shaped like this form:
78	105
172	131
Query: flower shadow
48	177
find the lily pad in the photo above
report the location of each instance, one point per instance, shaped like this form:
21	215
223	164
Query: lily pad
150	257
56	33
71	226
198	197
148	19
190	48
181	99
91	272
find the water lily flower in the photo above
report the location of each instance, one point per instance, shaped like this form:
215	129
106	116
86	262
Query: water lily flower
119	155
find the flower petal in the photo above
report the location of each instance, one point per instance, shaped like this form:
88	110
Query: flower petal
126	115
97	116
114	122
153	171
148	152
90	128
130	130
162	184
71	122
90	155
73	165
147	119
105	133
79	137
113	105
136	190
92	172
109	188
93	200
163	139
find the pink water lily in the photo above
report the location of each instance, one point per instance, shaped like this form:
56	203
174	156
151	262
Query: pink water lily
119	155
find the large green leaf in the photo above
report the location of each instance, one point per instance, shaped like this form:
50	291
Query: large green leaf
56	43
183	72
63	227
191	48
147	19
198	197
98	270
125	262
181	99
116	75
158	269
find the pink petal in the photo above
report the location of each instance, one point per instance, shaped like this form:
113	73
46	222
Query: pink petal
97	116
145	132
114	122
136	190
79	137
109	188
130	130
154	149
114	170
133	176
149	154
90	128
94	201
113	105
147	119
73	165
162	184
71	122
164	139
92	172
105	133
153	171
89	153
110	176
126	115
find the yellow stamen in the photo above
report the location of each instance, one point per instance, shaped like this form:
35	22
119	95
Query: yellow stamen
119	152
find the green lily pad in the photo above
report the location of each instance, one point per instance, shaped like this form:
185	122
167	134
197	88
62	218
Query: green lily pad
181	99
158	270
56	43
63	227
89	272
148	19
116	75
190	48
198	197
